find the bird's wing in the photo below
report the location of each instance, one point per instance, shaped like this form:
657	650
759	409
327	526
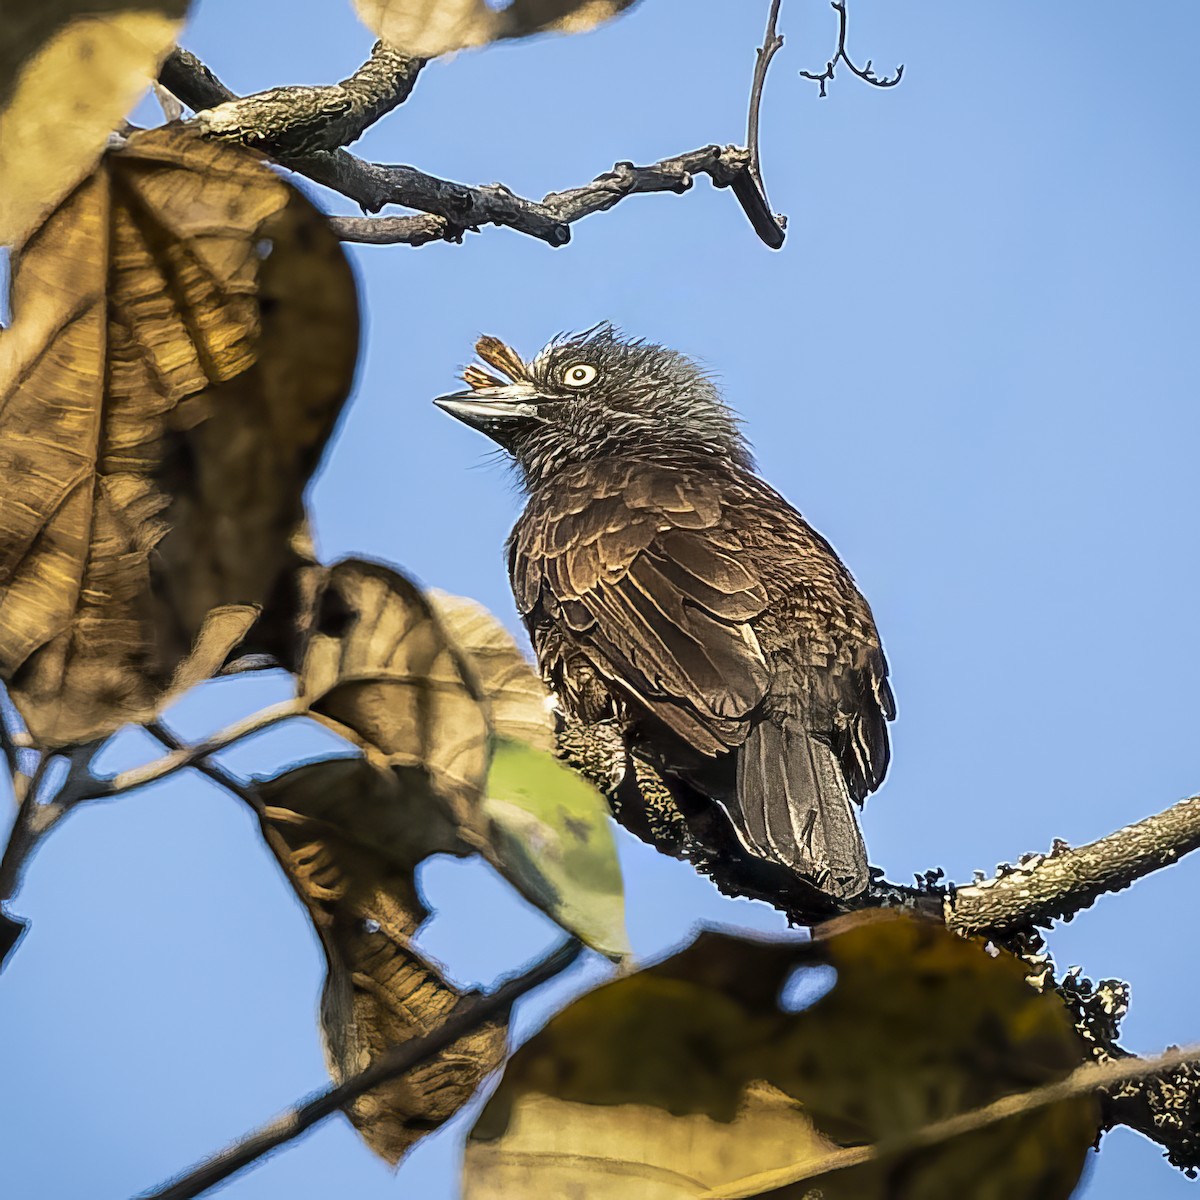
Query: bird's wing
637	563
841	687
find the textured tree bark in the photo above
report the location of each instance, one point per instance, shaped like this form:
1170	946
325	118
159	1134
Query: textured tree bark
1046	887
294	122
304	129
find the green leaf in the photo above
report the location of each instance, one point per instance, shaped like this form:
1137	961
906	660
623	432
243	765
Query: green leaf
552	839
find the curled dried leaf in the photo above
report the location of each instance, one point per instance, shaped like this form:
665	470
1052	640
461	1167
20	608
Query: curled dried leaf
379	668
519	706
185	333
333	828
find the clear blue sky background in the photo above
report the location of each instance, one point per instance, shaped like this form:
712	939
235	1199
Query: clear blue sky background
972	367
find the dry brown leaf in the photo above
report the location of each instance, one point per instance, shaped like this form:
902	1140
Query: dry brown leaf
185	331
427	28
661	1068
518	703
379	990
379	667
69	72
430	690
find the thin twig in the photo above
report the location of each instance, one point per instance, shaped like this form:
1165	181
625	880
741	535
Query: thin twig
207	767
90	787
468	1015
1045	887
865	73
748	186
1083	1081
772	41
458	209
32	822
8	741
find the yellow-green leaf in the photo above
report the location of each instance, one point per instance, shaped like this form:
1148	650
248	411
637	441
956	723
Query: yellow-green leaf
383	667
689	1079
552	837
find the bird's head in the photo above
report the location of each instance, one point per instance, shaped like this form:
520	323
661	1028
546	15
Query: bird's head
591	395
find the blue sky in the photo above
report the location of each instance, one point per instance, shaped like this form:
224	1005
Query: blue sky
972	367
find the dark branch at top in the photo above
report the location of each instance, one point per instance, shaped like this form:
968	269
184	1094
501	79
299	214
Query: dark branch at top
865	73
772	41
304	129
762	60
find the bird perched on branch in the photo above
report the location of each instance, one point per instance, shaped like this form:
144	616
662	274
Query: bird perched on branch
664	584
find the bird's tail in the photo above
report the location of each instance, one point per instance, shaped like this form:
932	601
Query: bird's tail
796	809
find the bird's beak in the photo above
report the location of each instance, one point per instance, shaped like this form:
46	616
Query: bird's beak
489	409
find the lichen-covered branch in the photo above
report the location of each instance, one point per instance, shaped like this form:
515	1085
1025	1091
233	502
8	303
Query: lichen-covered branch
291	122
1164	1105
452	209
1045	887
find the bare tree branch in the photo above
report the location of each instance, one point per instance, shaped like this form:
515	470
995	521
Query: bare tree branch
471	1012
461	208
772	41
1046	887
36	817
293	122
1081	1082
10	739
88	786
33	821
865	73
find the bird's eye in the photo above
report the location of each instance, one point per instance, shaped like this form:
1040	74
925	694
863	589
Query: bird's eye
579	375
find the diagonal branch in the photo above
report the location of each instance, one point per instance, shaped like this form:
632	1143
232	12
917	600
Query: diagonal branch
294	122
87	786
1083	1081
1046	887
10	739
453	209
468	1015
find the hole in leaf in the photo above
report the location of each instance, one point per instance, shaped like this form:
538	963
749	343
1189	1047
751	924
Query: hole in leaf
805	986
335	615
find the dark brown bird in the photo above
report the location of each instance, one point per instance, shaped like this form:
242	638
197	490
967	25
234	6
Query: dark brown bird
665	584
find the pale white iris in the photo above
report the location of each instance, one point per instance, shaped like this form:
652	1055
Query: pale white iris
579	375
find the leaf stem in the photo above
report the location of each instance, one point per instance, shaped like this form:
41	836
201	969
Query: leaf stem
468	1015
